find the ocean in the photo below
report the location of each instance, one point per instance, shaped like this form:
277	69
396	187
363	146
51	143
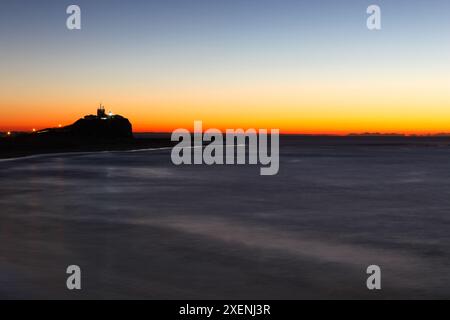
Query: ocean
140	227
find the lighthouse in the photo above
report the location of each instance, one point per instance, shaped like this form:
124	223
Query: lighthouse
101	112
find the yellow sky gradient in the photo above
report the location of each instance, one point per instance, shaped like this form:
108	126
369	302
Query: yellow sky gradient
325	104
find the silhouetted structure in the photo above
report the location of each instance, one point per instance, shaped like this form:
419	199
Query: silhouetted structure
101	125
101	112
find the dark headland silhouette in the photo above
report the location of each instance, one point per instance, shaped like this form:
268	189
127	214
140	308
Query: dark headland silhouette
100	126
110	132
100	132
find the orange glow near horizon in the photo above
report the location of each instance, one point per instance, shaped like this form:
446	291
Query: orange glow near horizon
295	125
324	105
287	120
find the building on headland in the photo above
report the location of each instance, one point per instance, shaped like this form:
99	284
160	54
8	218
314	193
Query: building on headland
102	125
101	112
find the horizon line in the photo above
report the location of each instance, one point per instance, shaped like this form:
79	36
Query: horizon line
284	133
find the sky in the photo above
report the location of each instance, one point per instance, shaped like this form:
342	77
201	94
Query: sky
298	66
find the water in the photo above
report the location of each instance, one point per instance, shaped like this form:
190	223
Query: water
140	227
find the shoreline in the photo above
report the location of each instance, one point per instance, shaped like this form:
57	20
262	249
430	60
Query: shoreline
75	153
22	151
22	148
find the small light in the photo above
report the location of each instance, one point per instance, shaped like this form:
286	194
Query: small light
59	125
34	130
111	114
8	133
